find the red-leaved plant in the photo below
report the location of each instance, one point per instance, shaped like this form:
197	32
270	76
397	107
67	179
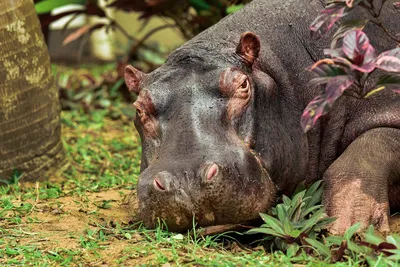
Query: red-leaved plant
347	68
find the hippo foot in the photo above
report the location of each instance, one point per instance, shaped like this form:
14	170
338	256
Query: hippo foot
356	184
349	205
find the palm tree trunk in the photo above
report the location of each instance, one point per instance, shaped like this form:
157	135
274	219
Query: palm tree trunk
30	129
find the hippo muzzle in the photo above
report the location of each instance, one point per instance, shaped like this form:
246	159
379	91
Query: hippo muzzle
212	194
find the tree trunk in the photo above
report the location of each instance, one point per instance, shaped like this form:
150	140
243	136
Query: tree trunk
30	128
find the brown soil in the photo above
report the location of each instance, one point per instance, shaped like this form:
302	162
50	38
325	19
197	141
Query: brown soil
62	222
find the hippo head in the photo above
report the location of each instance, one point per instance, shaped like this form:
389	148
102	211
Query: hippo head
195	116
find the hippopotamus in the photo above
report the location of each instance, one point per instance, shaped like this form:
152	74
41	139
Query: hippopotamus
219	123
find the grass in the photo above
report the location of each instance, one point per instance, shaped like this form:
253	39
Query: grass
81	217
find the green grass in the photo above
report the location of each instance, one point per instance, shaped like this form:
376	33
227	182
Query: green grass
80	218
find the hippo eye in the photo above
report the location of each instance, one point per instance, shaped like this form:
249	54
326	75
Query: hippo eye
245	84
236	86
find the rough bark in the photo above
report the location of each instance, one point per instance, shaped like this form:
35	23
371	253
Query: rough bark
30	129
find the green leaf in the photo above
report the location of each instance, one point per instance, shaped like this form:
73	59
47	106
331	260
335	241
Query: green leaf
371	237
287	226
292	250
310	210
352	246
273	223
200	5
311	222
351	231
324	222
281	211
391	81
267	231
319	247
47	6
116	86
390	239
233	8
295	212
315	194
286	201
336	240
313	188
295	233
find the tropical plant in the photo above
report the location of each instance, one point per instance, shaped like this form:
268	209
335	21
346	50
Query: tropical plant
294	220
348	69
297	227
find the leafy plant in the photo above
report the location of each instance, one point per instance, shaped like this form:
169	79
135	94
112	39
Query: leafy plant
348	69
296	226
296	219
190	17
93	87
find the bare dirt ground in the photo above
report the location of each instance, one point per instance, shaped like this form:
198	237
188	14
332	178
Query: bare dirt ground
61	223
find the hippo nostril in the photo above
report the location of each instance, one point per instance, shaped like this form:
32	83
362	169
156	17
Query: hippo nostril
212	171
158	185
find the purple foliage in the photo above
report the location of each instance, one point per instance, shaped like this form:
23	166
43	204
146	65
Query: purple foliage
389	61
327	18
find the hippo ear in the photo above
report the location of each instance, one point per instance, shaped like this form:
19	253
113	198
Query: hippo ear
248	47
133	77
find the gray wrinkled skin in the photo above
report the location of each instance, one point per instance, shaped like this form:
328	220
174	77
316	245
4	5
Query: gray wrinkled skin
355	149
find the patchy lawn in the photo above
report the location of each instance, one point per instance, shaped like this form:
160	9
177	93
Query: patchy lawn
82	218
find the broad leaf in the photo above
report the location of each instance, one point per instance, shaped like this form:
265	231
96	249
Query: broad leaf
322	249
314	110
389	60
320	105
357	48
282	213
336	86
267	231
333	239
352	230
389	63
332	53
347	26
81	31
327	18
47	6
273	223
389	81
325	69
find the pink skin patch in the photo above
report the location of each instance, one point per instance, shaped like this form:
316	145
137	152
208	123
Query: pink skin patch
158	184
212	171
147	113
235	85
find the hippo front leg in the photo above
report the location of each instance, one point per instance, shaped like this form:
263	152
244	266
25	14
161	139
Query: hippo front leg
357	183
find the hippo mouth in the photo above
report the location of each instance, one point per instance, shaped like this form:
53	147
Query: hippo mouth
222	198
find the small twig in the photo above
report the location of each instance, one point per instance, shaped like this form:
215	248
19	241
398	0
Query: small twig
115	24
148	35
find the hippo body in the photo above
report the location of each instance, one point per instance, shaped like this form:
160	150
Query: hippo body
220	125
